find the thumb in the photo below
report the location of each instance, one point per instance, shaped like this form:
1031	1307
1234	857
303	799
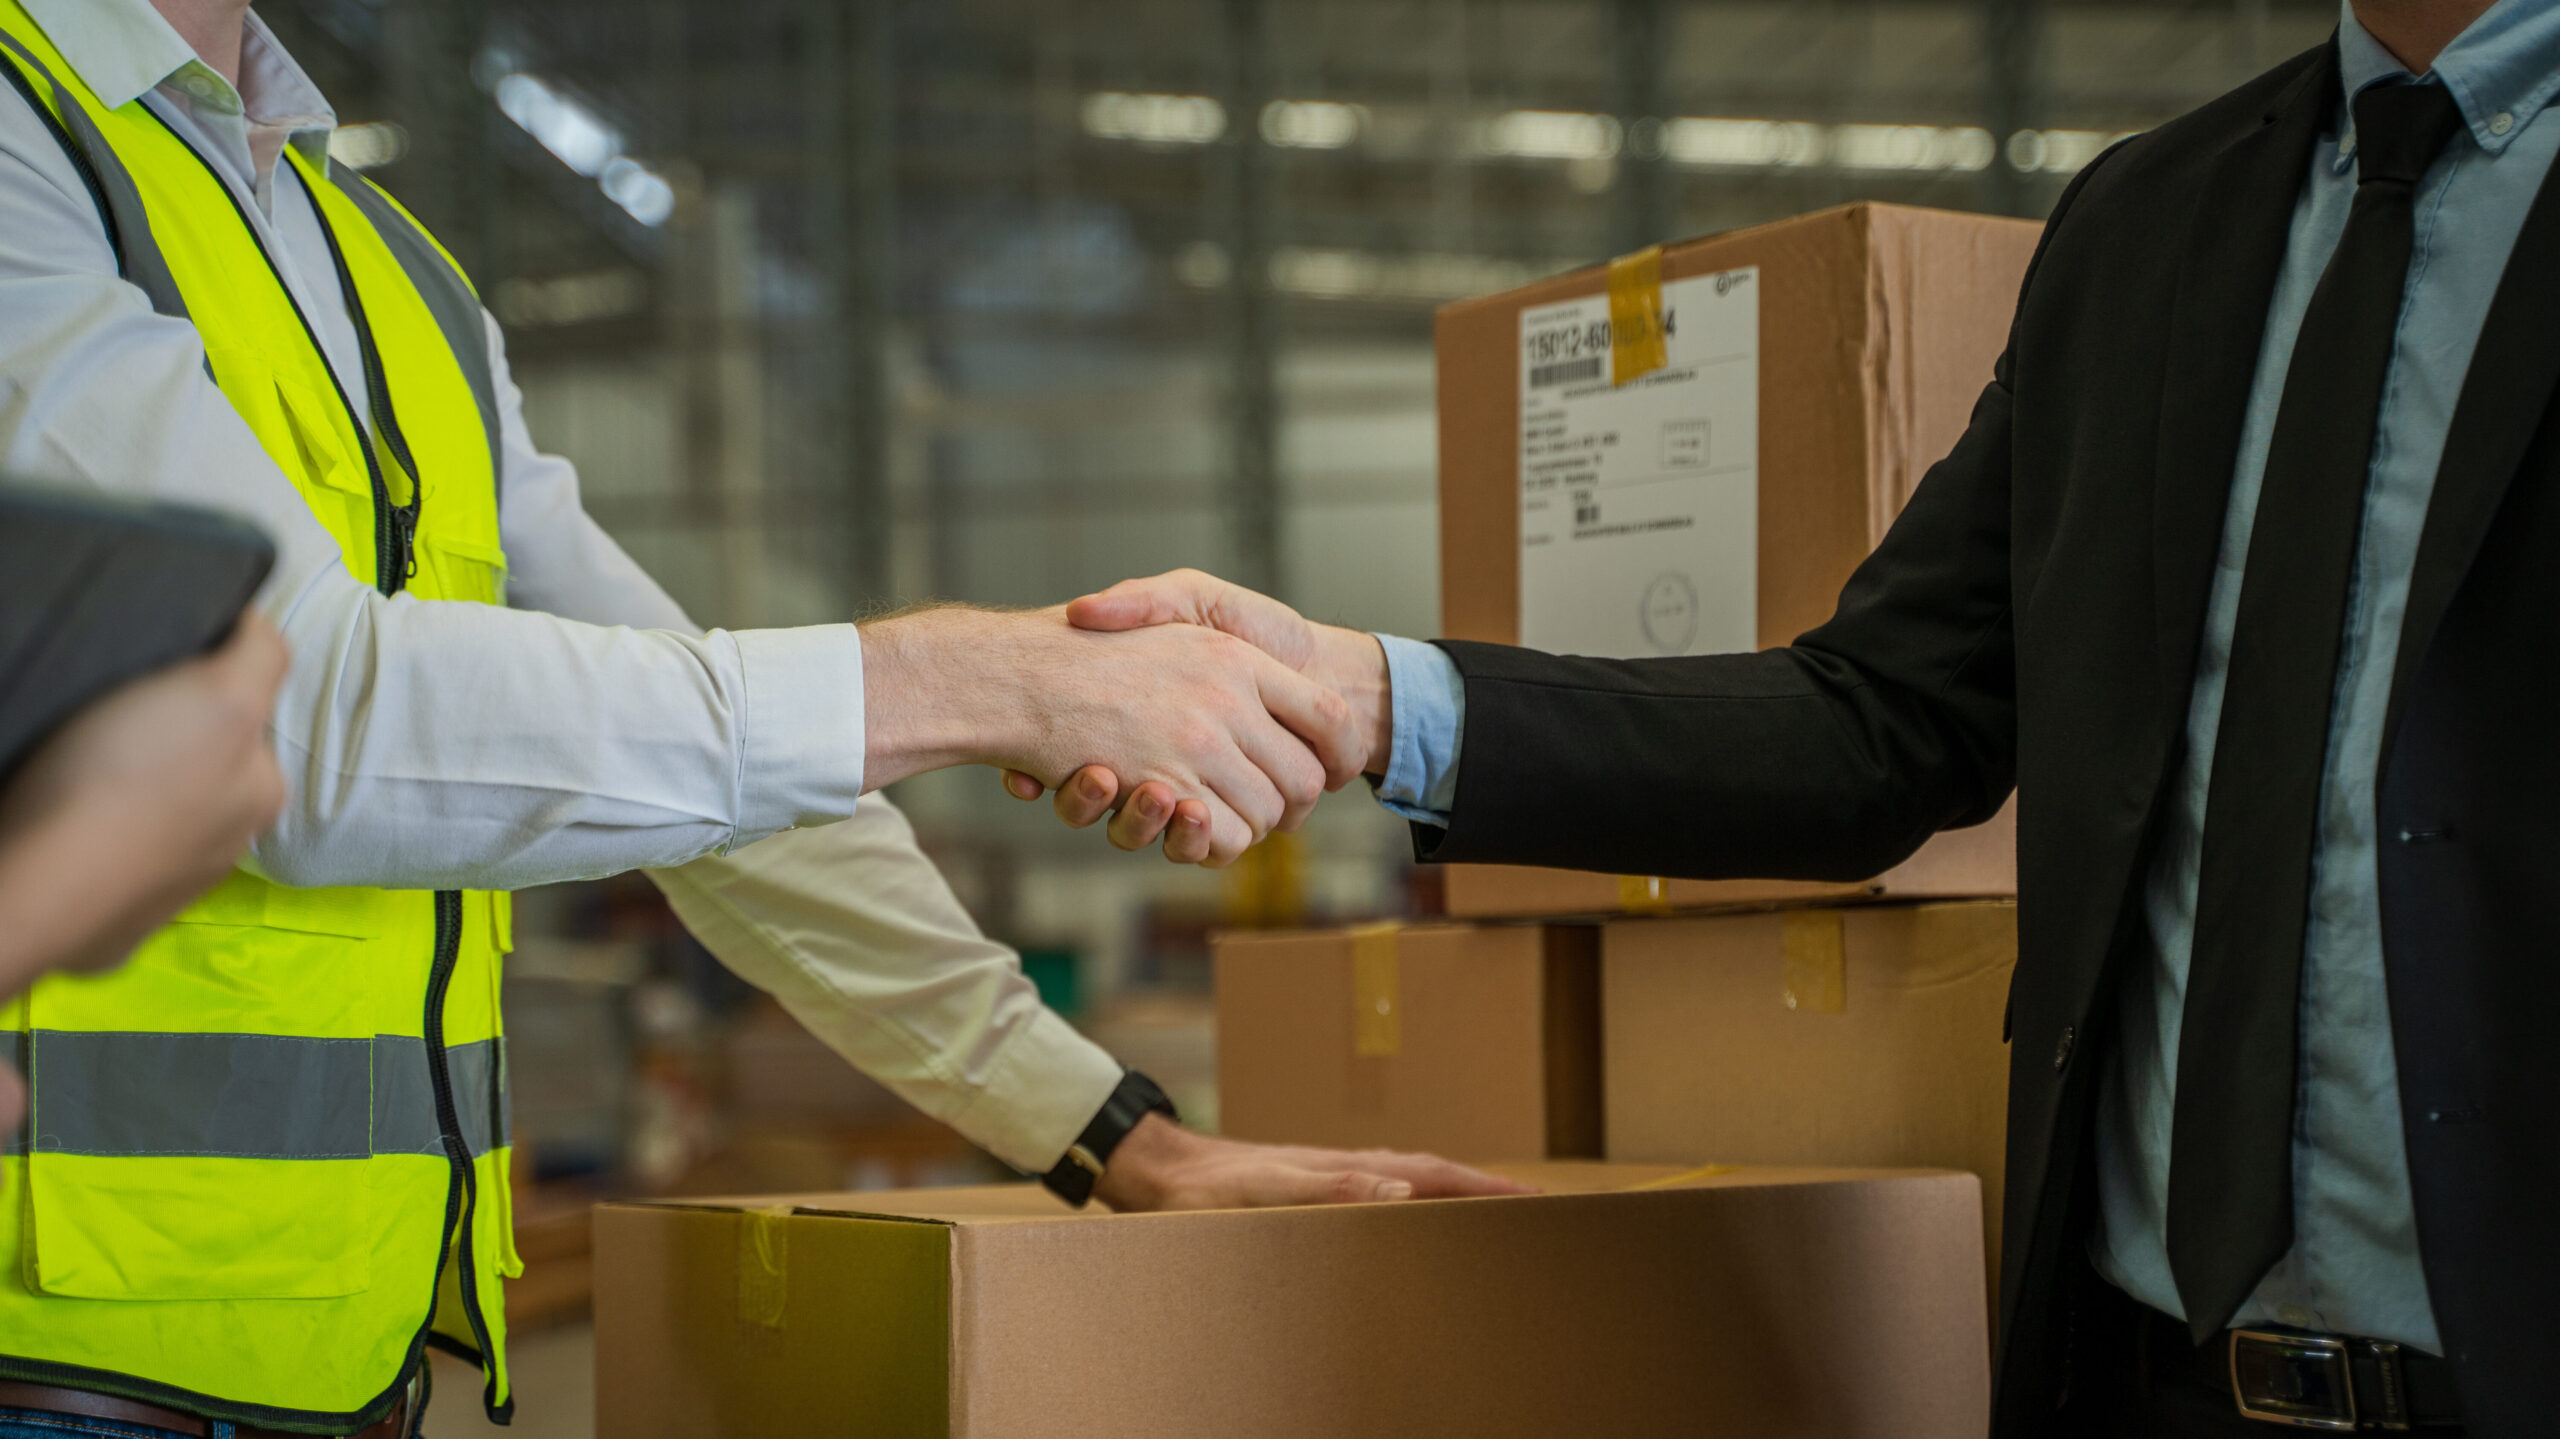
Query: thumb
1197	598
1178	597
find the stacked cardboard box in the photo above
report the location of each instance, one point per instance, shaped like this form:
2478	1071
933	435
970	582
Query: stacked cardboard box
1866	1034
1713	493
1481	1042
1623	1300
1840	1034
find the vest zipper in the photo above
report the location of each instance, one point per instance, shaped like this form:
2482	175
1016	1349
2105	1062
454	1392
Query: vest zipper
456	1145
396	542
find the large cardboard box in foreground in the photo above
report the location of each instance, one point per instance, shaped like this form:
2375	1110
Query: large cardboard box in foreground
1812	370
1837	1304
1481	1042
1860	1035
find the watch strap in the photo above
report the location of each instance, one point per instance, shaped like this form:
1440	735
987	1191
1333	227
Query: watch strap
1132	1099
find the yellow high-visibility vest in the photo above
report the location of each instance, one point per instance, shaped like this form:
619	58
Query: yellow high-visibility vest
266	1162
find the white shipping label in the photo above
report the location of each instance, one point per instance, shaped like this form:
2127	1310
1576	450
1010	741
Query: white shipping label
1640	504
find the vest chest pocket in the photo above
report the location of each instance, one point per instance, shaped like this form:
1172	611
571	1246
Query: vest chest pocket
461	566
460	556
201	1122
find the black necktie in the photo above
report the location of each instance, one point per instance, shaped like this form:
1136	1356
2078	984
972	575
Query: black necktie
2231	1137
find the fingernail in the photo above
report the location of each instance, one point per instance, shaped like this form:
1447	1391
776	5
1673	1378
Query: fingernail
1150	807
1395	1189
1091	787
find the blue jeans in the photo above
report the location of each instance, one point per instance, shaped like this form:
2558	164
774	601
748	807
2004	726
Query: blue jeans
36	1424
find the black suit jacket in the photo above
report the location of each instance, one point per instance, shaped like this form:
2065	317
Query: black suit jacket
2033	620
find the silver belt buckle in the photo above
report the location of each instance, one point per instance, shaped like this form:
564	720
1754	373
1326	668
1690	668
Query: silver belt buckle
2305	1380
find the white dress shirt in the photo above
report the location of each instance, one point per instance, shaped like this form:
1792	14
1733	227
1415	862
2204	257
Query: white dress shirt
585	729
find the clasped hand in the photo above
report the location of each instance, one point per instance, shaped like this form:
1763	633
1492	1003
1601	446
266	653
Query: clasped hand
1214	739
1327	686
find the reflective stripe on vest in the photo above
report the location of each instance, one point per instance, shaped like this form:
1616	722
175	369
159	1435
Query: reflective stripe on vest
119	207
266	1159
250	1096
441	284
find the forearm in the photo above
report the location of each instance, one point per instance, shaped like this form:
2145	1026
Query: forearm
1781	765
952	685
437	745
856	933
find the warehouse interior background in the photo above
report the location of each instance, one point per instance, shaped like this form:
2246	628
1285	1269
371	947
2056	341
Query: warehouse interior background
842	304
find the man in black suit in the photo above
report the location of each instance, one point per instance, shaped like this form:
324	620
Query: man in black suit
2243	576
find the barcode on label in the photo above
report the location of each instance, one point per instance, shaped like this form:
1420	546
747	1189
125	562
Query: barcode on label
1564	371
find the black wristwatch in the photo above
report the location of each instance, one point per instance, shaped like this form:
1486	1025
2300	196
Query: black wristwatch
1133	1099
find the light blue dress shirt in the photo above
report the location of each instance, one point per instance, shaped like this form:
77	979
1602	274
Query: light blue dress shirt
2354	1264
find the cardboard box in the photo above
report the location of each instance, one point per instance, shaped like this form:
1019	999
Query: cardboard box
1782	1303
1481	1042
1863	1035
1815	368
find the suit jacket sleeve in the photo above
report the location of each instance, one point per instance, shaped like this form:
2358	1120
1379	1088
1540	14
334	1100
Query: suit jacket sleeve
1833	758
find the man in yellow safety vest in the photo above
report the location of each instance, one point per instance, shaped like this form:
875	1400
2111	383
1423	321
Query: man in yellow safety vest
268	1158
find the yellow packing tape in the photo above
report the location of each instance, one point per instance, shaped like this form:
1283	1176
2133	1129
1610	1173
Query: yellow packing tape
1638	345
764	1261
1816	961
1643	894
1377	1011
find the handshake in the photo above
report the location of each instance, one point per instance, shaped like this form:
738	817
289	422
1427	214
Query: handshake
1183	707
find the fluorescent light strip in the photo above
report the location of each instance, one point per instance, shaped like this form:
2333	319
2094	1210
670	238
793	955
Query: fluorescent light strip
1572	135
1154	119
1313	124
369	146
582	140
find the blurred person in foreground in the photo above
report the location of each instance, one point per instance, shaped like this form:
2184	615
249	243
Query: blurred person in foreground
139	803
273	1161
2245	577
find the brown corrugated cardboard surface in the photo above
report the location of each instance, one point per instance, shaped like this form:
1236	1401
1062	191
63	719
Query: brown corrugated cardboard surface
1879	326
1495	1051
1772	1303
1706	1062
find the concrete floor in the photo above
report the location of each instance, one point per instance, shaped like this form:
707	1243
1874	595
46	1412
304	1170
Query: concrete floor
555	1384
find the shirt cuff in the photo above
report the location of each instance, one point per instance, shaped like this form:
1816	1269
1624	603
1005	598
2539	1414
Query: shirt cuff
1429	700
801	752
1048	1085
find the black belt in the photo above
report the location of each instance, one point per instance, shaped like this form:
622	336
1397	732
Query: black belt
2314	1381
88	1404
